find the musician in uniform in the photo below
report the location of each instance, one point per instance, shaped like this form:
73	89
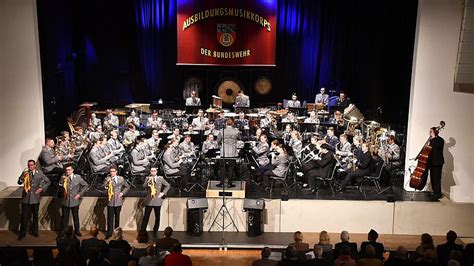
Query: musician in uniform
94	122
279	159
116	187
175	135
140	160
364	166
220	121
314	148
173	164
193	100
164	128
133	119
242	100
74	188
115	145
295	143
343	150
390	154
179	121
435	162
322	97
111	121
227	138
209	143
80	141
34	183
200	122
287	133
268	121
342	101
330	138
156	188
261	150
107	149
99	159
154	121
241	123
324	166
130	136
97	134
51	162
312	119
294	102
186	148
190	131
211	130
154	141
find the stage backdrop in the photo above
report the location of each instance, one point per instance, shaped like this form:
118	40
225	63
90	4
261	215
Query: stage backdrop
232	32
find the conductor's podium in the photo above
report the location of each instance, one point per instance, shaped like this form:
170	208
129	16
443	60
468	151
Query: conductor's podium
236	192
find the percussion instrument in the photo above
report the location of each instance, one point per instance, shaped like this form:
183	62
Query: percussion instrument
228	91
263	85
320	106
310	107
353	111
216	101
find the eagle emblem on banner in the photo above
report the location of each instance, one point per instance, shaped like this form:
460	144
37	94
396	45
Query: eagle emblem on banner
226	34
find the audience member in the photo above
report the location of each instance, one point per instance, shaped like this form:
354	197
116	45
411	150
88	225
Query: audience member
300	246
444	250
325	243
94	250
426	243
369	259
453	263
345	257
150	259
427	260
118	242
265	261
68	248
400	258
318	257
176	258
140	245
167	242
291	257
469	254
345	241
372	240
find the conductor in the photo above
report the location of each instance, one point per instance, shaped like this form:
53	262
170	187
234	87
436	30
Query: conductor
227	138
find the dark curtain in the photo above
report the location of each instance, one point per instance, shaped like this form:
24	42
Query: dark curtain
156	36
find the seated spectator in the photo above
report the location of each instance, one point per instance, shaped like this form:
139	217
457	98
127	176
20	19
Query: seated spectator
94	250
469	254
345	241
299	244
318	257
456	255
453	263
167	242
140	245
150	259
369	259
291	257
176	258
265	261
444	250
427	260
426	243
68	248
324	242
372	240
400	258
118	242
345	257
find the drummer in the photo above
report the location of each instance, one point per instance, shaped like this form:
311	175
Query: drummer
294	102
322	97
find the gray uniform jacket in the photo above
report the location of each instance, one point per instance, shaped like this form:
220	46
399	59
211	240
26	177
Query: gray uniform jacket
98	158
116	146
170	162
296	145
242	101
228	139
186	149
111	121
119	184
207	145
132	120
48	160
160	184
38	180
344	149
261	150
321	98
139	160
200	123
77	185
294	104
193	102
280	162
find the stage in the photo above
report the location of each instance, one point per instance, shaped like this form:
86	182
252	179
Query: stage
306	215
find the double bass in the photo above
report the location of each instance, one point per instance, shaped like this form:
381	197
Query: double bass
418	178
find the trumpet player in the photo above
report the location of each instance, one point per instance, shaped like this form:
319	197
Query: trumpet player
324	166
209	143
116	187
94	122
50	160
186	148
154	121
156	187
211	130
330	138
363	163
173	164
34	182
133	119
74	188
111	121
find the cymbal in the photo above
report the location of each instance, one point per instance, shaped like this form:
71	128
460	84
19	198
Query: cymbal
372	123
88	104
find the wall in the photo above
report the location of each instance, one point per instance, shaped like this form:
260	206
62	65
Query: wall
433	99
21	104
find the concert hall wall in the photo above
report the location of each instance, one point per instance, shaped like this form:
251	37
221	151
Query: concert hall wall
115	53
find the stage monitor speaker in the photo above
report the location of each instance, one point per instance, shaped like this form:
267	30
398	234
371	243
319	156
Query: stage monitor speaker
194	222
254	204
197	203
254	222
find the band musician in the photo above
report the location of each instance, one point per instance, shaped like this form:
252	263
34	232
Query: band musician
34	183
435	162
325	164
116	187
242	100
322	97
193	100
363	164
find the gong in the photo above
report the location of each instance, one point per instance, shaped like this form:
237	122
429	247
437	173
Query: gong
263	85
228	91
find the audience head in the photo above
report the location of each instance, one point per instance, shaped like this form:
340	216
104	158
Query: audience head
345	250
401	252
373	235
427	241
429	255
168	231
455	255
68	231
324	238
370	251
142	236
344	236
298	236
177	248
94	231
451	236
291	252
150	250
117	234
318	251
453	263
266	252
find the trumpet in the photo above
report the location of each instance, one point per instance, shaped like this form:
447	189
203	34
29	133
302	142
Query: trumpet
311	156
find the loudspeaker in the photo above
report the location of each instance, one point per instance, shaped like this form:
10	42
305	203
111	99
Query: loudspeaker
194	222
390	198
254	223
197	203
254	204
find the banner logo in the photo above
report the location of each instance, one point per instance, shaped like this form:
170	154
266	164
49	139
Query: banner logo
226	34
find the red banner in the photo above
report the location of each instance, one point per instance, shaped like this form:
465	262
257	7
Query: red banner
231	32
